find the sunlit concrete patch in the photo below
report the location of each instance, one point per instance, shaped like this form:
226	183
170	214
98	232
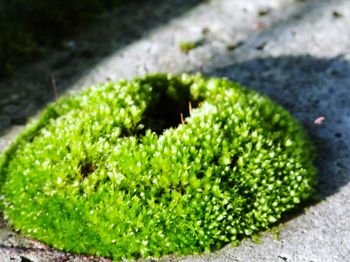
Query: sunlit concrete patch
219	27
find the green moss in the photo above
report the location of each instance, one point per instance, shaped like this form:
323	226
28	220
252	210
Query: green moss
157	165
186	47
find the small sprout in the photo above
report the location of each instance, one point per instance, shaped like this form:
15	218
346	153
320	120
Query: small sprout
186	47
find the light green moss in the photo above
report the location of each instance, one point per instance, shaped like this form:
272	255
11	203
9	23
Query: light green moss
116	171
186	47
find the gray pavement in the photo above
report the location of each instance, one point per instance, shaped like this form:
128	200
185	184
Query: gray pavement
296	52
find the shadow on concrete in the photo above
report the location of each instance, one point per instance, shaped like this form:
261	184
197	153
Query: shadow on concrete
32	87
309	88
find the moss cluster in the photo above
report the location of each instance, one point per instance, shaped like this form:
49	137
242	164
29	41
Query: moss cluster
157	165
186	47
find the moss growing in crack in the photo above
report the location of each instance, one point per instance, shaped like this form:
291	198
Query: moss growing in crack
157	165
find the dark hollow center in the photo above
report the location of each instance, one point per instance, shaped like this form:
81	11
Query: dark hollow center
168	109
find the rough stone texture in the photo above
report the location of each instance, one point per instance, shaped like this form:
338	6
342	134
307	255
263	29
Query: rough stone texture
297	52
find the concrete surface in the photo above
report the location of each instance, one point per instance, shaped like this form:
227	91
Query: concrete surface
297	52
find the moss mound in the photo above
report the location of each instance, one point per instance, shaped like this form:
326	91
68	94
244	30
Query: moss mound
157	165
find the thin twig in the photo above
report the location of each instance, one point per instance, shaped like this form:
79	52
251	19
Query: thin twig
190	107
182	118
54	87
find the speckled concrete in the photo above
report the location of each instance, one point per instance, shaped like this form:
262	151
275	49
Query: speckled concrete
297	52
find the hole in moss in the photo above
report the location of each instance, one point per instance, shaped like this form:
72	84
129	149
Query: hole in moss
86	168
234	160
168	109
200	174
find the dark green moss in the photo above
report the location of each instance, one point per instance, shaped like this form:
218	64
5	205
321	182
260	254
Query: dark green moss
119	170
